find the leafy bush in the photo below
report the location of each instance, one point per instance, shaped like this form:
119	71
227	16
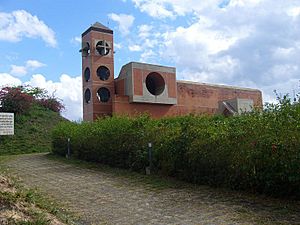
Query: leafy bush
20	99
258	151
51	103
116	141
15	100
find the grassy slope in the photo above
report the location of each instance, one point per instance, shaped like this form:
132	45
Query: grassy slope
32	132
20	205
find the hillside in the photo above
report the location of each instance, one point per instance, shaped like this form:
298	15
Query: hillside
32	132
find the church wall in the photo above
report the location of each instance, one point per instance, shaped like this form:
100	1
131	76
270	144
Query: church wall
193	98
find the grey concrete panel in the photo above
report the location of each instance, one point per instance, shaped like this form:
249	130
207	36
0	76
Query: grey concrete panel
218	85
153	68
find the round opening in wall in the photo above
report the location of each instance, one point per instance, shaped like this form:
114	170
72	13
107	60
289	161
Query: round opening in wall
87	95
87	74
103	73
155	83
103	94
102	48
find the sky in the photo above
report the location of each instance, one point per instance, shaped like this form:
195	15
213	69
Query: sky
247	43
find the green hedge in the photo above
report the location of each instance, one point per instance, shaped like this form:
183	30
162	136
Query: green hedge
259	151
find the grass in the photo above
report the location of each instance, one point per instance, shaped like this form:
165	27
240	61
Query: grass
35	208
32	132
18	204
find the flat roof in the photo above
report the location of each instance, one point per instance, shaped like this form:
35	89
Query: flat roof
150	64
217	85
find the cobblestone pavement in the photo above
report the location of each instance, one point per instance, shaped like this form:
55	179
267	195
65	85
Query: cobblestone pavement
102	197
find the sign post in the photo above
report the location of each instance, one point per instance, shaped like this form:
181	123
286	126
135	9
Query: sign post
149	168
68	149
7	124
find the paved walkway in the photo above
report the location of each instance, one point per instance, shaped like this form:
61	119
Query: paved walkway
103	197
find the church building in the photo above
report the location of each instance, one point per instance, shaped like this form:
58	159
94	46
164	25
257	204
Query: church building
147	88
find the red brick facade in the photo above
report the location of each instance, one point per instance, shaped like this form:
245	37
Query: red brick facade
142	87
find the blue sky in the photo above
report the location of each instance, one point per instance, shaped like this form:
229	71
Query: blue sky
249	43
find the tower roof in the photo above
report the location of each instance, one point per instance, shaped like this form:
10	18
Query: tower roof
98	27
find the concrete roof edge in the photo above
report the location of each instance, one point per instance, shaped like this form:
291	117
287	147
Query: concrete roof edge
151	64
218	85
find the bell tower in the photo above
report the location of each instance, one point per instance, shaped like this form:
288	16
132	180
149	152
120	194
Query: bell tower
97	71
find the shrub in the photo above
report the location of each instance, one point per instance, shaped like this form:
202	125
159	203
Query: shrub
51	103
15	100
258	151
116	141
20	99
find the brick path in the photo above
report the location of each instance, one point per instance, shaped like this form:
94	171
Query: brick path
102	197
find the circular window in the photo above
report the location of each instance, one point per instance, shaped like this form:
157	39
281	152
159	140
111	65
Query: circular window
103	73
155	83
103	94
87	74
102	47
87	95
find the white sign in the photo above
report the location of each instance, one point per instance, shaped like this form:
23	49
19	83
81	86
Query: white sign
6	124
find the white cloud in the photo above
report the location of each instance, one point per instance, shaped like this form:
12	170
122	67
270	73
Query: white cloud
145	30
117	45
288	86
12	56
245	3
154	8
125	22
34	64
18	70
229	42
200	36
76	40
8	80
162	9
18	24
283	53
148	56
148	43
30	65
135	48
294	11
68	89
